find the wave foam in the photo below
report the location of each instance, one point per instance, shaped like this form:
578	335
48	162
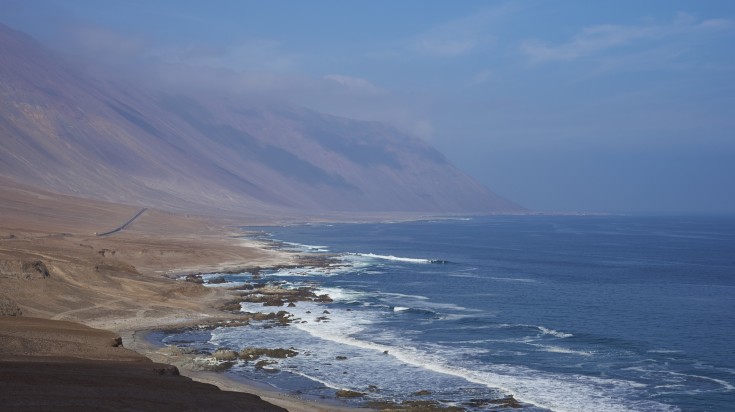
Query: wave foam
665	351
542	389
398	258
544	330
559	349
521	280
322	271
341	294
552	332
305	248
726	386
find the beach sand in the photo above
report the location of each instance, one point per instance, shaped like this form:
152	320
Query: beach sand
54	269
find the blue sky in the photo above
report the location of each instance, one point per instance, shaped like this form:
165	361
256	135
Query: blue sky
559	105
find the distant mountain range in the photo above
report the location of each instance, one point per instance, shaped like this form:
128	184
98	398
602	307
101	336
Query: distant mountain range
72	133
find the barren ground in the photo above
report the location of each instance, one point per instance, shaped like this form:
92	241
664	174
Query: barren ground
54	268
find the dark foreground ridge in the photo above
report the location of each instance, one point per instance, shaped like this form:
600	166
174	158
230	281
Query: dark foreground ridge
90	370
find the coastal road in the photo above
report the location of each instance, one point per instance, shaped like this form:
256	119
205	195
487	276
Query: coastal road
124	225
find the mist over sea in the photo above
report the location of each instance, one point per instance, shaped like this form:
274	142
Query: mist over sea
583	313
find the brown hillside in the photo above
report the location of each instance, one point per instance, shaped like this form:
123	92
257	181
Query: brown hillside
65	131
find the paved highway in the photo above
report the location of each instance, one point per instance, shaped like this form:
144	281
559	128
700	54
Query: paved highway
124	225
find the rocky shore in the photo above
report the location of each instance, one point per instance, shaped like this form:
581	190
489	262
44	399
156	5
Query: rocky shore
51	365
76	310
276	298
66	296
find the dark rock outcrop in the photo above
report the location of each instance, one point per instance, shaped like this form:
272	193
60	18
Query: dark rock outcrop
344	393
24	269
507	402
255	353
225	355
8	307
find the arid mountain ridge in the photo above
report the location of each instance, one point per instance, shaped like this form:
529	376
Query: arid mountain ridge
72	133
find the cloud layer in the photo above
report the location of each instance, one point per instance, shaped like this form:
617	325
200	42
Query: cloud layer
599	39
484	82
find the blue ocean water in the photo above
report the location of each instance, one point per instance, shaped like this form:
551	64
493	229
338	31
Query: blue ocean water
574	313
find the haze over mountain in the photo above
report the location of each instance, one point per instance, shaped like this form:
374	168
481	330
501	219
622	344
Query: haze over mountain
64	130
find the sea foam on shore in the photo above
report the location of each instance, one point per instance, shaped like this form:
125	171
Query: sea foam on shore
464	334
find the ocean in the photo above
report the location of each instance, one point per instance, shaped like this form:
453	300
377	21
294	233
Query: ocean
565	313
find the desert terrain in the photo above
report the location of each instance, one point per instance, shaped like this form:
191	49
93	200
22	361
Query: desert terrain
73	301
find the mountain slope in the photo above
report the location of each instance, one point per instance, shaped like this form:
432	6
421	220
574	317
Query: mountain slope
71	133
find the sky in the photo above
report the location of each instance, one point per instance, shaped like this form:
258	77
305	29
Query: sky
625	106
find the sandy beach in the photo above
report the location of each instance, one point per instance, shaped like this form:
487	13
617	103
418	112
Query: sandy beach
63	280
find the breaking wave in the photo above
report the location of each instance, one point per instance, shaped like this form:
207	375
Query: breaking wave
399	259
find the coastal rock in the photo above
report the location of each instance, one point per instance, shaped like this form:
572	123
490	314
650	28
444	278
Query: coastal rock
172	350
249	354
507	402
273	302
383	405
232	306
217	280
324	299
428	406
422	392
263	363
225	355
263	316
283	318
413	406
194	279
344	393
255	353
217	366
340	357
281	353
275	294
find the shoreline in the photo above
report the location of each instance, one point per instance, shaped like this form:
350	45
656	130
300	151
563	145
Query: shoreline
138	338
270	297
53	268
139	341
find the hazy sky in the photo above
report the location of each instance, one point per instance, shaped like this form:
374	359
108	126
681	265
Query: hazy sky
558	105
